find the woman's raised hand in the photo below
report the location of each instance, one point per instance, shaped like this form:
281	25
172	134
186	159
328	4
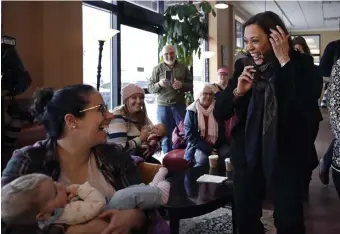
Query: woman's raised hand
245	80
279	40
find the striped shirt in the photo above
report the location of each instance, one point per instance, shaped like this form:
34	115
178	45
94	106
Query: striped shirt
124	131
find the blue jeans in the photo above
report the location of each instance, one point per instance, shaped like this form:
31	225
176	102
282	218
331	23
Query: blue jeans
136	196
202	159
170	116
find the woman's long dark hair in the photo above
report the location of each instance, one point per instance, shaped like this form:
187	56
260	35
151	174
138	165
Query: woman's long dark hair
302	42
49	107
269	20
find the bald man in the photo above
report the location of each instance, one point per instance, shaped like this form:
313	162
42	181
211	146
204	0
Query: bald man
169	81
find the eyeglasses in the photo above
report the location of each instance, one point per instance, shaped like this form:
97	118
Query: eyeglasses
170	54
101	107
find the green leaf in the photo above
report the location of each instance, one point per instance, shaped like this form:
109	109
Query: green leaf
186	35
178	28
213	12
209	8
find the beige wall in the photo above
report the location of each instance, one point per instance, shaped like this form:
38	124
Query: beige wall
221	33
49	40
325	37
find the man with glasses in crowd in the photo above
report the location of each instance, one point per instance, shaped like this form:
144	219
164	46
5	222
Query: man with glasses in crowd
169	80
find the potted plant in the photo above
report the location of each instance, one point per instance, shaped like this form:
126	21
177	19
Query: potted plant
240	53
189	98
185	25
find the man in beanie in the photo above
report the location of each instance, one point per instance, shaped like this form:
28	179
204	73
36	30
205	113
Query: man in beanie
169	81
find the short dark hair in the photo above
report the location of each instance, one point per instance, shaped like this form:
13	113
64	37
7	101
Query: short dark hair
269	20
50	108
302	42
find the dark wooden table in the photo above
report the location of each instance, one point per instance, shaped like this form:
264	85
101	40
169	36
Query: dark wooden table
188	198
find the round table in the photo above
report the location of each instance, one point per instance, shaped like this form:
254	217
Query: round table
189	198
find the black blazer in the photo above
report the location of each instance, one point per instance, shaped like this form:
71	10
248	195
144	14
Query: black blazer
298	88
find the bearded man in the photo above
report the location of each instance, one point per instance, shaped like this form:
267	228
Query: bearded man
169	81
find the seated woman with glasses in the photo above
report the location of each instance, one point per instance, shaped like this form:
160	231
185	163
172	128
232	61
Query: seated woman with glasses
131	125
204	134
75	152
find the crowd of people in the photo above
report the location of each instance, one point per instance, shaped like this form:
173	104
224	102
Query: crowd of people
264	117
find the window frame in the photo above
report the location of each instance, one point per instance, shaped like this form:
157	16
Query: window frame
132	15
115	46
242	34
311	35
136	3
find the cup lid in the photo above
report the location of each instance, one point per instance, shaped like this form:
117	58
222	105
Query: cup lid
213	156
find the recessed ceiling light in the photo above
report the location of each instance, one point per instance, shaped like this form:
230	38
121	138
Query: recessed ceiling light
221	5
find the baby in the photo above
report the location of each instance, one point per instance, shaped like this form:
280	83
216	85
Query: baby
157	132
36	197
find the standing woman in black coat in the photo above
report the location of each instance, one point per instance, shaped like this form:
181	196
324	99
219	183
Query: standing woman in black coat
269	92
315	117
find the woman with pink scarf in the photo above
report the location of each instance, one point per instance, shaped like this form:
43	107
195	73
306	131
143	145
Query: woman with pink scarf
204	134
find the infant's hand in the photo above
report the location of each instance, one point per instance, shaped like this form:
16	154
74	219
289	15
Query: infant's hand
153	142
72	190
152	135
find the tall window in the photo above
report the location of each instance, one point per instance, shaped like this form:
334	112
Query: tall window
93	17
313	42
168	3
238	34
151	4
199	71
139	55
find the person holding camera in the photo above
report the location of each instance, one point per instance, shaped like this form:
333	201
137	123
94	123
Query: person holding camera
170	80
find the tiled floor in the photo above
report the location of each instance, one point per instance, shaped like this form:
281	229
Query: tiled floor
323	210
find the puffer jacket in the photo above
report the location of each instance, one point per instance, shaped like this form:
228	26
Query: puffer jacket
192	134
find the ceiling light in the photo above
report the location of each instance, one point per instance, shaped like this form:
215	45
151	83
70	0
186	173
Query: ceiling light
221	5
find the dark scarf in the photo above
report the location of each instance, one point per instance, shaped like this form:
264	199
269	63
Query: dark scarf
262	118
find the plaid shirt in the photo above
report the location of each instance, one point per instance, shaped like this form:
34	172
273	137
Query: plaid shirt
118	168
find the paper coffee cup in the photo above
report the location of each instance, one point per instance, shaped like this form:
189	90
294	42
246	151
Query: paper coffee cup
228	166
213	161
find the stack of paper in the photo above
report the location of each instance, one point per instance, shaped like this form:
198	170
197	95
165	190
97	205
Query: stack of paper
211	179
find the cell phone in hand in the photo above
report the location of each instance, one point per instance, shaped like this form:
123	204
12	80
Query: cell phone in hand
168	75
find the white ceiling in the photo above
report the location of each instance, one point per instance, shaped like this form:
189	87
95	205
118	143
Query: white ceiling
298	15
